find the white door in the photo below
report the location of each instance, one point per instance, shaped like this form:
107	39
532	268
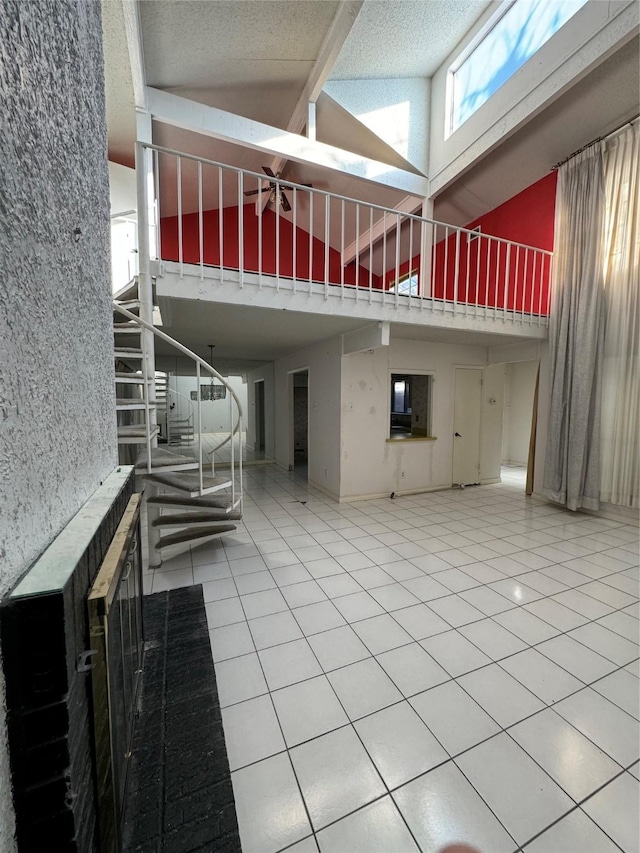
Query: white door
466	426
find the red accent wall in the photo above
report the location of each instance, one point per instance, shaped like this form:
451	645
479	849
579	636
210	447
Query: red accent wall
484	277
272	226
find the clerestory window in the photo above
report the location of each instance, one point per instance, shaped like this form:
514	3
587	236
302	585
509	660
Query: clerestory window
509	40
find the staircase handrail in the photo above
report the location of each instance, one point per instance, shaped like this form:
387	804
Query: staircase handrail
202	364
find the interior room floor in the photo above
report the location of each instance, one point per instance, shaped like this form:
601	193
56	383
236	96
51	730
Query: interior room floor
396	675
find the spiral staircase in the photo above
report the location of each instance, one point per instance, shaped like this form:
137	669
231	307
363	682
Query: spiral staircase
186	500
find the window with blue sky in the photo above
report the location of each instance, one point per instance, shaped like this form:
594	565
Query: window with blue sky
515	36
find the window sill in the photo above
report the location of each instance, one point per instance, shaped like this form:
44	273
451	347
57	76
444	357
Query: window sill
407	437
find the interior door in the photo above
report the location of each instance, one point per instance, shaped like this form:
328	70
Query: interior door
466	426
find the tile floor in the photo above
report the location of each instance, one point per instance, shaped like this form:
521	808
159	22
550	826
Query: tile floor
399	674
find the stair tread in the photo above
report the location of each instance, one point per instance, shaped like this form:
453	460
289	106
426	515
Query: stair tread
201	517
194	533
161	458
189	482
133	402
130	351
129	378
182	501
135	431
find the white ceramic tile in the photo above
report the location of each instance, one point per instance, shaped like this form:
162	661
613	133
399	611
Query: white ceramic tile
526	626
311	552
411	669
338	647
613	597
399	744
264	603
442	808
381	633
372	577
337	585
486	600
516	591
308	709
240	552
231	641
621	688
247	566
358	606
270	810
524	797
239	678
500	695
575	763
376	828
623	624
426	588
272	630
430	563
623	583
220	613
299	594
318	617
218	590
456	611
606	643
576	658
575	833
634	668
336	776
420	621
456	580
454	718
207	554
583	604
393	596
280	558
287	575
353	562
174	579
491	638
455	653
363	688
288	663
255	582
251	731
402	571
541	676
211	572
610	728
615	810
555	614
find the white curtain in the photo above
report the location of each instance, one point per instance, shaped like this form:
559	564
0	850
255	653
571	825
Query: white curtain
620	425
572	472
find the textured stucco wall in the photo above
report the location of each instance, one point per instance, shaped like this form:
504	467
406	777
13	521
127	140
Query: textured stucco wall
57	421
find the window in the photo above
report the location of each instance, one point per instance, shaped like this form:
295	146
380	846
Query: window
410	410
212	392
407	285
510	40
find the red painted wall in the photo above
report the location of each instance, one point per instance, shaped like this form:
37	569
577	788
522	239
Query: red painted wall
271	226
484	277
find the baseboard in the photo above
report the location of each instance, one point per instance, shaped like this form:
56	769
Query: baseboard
490	481
398	494
324	490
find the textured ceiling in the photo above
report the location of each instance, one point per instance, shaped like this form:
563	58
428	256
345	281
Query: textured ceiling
405	38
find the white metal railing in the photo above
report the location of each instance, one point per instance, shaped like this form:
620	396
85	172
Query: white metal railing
235	476
336	245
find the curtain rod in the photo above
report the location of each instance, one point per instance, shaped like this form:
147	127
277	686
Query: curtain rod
593	142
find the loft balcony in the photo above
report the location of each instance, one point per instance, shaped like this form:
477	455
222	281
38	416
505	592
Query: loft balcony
224	234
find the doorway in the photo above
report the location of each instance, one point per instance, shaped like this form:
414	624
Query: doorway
466	426
258	387
299	419
520	378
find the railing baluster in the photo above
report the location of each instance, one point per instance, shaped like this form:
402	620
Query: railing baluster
342	249
240	230
397	259
232	443
179	178
357	258
487	243
410	268
260	223
477	289
456	272
326	245
497	285
507	278
311	194
156	202
370	255
199	414
200	221
445	279
278	192
220	225
384	257
294	249
466	283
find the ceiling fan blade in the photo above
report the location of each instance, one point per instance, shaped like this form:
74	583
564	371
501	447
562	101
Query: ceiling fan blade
285	203
269	171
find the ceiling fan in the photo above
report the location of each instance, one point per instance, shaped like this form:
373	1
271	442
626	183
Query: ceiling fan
276	191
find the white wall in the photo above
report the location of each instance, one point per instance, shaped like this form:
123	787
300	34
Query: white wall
124	258
594	31
57	400
323	361
264	374
491	418
520	383
370	465
215	413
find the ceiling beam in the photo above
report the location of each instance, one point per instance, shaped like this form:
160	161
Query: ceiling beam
331	46
131	15
385	224
220	124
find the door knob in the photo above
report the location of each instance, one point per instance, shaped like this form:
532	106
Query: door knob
457	435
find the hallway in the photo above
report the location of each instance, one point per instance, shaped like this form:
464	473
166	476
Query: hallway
398	674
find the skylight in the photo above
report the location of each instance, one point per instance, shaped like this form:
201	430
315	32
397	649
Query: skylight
515	36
